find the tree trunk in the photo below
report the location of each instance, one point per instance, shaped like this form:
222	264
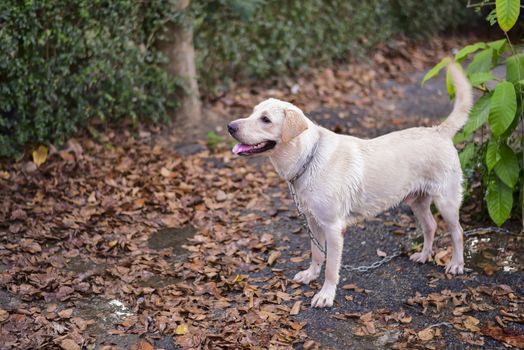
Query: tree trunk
177	45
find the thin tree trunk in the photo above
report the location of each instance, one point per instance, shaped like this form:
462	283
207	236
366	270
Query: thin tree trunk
177	45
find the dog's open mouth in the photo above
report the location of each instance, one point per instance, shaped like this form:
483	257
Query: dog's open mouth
246	150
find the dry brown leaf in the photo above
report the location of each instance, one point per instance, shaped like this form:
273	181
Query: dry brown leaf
166	173
295	309
4	315
426	334
66	313
471	338
367	317
471	323
30	246
443	257
406	319
143	345
273	257
69	344
511	337
309	344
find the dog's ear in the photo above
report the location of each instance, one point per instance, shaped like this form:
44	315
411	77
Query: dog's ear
294	124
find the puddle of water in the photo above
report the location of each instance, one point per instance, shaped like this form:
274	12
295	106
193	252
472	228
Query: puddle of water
106	313
78	264
158	281
495	252
171	238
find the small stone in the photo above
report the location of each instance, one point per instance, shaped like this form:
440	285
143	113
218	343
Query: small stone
221	196
29	167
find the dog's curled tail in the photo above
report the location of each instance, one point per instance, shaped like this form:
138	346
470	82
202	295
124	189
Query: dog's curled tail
463	102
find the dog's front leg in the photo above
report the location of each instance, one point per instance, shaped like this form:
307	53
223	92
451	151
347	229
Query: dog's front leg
317	257
335	243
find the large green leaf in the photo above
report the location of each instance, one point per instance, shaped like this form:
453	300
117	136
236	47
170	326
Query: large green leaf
466	50
507	13
480	78
499	199
498	45
492	154
503	107
479	114
467	155
449	85
477	117
515	68
507	167
433	72
482	62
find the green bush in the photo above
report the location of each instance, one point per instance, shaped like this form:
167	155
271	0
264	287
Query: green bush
64	62
239	39
497	155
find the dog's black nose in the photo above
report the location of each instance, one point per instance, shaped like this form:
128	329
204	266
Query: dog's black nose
232	128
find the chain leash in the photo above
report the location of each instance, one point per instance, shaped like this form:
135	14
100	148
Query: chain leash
396	253
302	216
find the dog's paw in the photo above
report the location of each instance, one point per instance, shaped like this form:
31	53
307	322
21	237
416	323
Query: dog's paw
420	257
324	298
455	268
306	276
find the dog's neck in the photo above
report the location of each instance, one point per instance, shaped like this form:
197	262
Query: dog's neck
289	161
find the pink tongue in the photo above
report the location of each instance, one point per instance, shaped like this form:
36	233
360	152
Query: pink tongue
241	147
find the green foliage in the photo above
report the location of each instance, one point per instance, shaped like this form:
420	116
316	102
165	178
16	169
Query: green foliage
243	39
433	72
62	63
499	198
213	140
503	105
507	13
499	110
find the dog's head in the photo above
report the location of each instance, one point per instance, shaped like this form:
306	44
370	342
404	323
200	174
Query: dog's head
272	124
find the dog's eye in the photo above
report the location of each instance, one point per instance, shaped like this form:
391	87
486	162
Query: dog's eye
265	119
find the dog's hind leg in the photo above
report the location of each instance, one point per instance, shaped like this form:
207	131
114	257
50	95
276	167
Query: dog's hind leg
317	257
449	206
421	207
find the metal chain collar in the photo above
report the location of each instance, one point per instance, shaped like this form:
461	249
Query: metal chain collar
396	253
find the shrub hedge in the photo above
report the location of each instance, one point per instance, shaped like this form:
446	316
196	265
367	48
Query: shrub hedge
238	39
65	62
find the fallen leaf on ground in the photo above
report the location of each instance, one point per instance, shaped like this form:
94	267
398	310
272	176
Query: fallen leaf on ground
69	344
143	345
181	329
40	155
273	256
296	308
508	336
471	323
426	334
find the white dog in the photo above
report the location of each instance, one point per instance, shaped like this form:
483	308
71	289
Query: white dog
341	179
